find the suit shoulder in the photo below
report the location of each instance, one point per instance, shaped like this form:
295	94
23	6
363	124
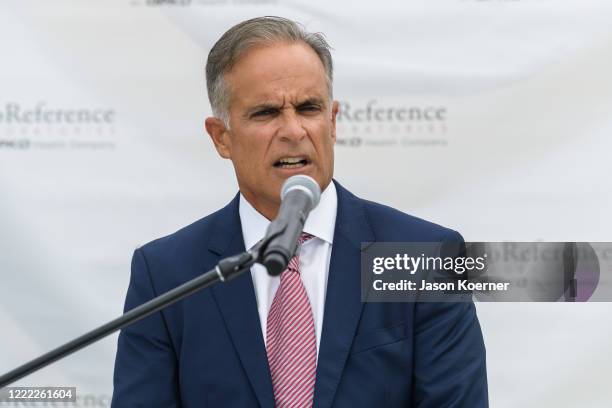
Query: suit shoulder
390	224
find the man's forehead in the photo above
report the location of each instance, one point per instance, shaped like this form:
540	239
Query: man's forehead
293	93
278	72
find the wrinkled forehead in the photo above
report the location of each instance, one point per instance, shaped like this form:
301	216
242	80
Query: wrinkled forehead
279	73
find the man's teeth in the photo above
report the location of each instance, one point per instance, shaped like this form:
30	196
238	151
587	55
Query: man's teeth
291	166
291	162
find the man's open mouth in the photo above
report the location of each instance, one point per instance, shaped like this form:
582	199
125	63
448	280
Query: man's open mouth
291	162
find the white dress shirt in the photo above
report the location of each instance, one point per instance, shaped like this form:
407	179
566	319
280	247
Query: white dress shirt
314	256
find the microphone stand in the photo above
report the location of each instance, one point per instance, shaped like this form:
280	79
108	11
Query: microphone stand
225	270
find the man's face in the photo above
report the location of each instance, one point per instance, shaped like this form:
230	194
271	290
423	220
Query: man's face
282	122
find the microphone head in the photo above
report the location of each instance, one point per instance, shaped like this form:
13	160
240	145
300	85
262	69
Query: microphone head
304	183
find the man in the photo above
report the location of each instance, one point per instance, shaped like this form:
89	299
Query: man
302	339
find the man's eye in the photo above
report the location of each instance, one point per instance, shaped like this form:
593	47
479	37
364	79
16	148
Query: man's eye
264	112
310	108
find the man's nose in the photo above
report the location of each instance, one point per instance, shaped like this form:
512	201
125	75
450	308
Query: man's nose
291	127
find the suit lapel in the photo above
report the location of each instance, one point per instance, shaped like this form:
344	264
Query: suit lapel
343	298
238	306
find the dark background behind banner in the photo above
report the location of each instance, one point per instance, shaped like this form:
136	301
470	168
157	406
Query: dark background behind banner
490	117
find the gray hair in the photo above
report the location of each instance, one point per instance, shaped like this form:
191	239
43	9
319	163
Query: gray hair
246	35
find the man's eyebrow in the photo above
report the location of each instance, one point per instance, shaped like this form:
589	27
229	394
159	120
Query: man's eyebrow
269	105
310	101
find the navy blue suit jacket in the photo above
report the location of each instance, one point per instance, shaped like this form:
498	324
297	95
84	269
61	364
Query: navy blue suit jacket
208	350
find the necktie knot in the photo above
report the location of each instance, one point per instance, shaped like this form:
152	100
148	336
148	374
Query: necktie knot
304	237
294	262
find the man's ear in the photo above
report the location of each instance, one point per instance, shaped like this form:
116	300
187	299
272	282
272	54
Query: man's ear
219	135
334	113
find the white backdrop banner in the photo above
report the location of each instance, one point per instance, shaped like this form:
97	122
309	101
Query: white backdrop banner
491	117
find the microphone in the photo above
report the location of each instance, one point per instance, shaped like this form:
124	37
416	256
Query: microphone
299	195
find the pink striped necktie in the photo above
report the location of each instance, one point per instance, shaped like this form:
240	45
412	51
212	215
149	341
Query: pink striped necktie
291	340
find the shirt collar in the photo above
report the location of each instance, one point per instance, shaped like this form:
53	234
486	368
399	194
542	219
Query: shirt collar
320	222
